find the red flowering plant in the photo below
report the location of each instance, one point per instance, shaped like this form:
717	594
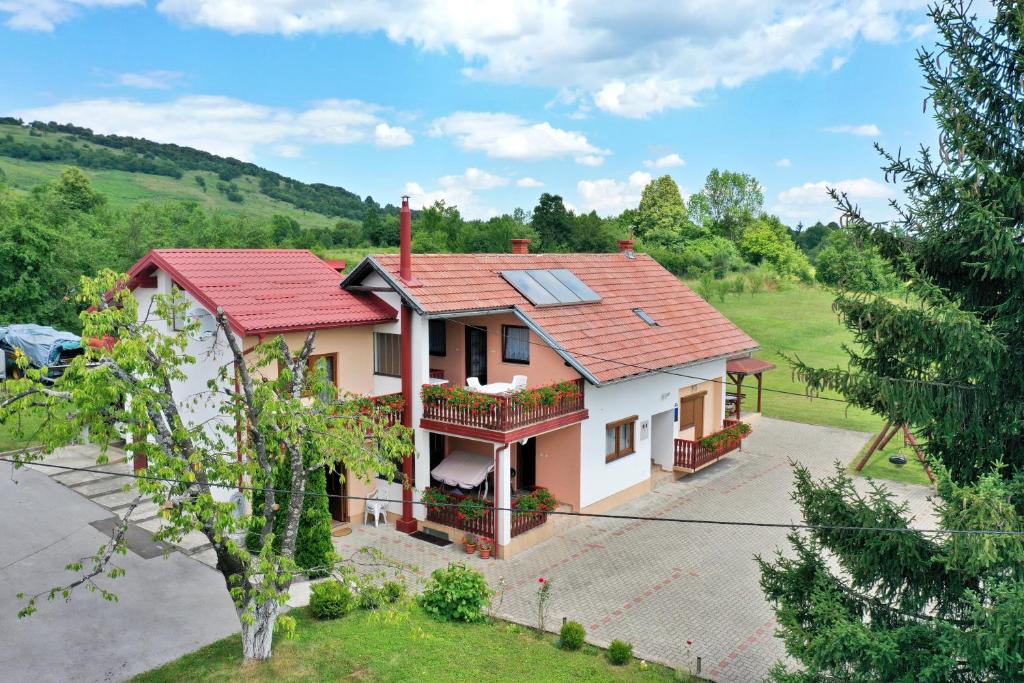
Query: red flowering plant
366	405
476	402
436	500
470	508
540	500
551	395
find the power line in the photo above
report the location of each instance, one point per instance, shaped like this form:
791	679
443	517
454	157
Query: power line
594	515
715	379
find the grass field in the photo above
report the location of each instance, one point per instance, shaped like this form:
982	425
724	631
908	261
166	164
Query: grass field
354	255
796	321
124	189
367	647
879	466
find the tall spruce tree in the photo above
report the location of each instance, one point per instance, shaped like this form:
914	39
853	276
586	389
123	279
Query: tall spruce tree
947	359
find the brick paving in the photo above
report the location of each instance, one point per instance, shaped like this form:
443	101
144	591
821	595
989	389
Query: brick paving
659	584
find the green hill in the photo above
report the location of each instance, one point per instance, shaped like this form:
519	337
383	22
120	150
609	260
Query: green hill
128	170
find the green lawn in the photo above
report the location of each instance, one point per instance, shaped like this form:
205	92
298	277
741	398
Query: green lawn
9	438
366	646
796	321
879	466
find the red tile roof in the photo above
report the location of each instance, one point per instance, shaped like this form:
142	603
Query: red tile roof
748	366
266	290
607	338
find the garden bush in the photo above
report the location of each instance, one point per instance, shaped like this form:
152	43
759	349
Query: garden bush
620	652
846	263
393	591
456	593
572	635
330	600
371	597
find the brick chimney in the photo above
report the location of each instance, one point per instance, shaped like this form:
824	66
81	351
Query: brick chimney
521	246
626	247
405	242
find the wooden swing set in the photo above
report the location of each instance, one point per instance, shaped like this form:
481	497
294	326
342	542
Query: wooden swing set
883	439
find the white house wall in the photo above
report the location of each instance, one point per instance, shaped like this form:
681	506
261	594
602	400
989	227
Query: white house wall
643	397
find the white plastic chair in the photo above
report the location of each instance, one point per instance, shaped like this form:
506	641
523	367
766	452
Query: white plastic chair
473	383
376	508
518	382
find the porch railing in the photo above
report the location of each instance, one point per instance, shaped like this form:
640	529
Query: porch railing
484	524
693	454
506	412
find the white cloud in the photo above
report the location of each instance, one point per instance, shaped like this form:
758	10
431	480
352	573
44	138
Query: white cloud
474	179
839	61
667	161
608	196
865	129
288	151
919	30
228	126
529	182
810	201
631	59
44	15
507	136
784	163
391	136
150	80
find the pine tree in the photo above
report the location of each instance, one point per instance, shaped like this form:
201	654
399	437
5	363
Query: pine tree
947	359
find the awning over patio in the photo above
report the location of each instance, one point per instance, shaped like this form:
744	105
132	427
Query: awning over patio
737	369
464	469
747	366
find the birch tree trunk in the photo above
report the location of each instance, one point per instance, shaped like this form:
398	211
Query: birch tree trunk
257	637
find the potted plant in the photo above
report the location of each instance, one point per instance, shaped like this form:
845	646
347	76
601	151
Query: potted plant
469	543
485	549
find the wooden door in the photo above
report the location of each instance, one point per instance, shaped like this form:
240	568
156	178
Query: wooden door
691	414
476	353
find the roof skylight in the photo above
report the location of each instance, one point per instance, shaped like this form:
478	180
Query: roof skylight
646	317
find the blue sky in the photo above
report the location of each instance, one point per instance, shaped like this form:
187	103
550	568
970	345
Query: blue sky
489	105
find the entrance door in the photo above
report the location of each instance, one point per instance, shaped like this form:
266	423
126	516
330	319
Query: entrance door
476	353
691	414
526	465
337	487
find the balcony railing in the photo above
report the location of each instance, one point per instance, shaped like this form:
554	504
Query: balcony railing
483	525
501	412
695	454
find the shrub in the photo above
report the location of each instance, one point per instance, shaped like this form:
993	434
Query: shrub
572	635
371	597
845	262
620	652
456	593
331	600
393	591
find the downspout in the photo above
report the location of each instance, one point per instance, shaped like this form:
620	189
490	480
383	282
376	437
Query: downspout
407	523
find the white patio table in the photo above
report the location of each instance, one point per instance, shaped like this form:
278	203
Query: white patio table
496	388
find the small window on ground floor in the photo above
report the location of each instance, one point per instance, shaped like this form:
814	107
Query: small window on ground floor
619	438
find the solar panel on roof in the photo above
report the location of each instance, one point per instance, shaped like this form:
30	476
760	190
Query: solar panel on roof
569	279
558	286
528	287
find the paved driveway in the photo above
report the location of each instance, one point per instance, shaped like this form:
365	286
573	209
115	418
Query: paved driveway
659	584
167	607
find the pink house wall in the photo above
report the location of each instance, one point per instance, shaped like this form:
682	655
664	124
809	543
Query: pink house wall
558	464
545	366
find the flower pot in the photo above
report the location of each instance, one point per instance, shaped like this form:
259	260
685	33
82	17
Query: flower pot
470	548
485	553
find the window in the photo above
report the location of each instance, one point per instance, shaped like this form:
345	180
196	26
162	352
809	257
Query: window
387	354
618	439
438	340
646	317
515	344
330	363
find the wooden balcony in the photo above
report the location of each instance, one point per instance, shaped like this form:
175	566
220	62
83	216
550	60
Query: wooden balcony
502	418
694	455
484	524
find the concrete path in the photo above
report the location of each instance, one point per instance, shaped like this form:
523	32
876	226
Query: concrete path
660	584
166	608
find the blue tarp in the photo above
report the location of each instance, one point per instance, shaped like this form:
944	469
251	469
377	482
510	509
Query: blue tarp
42	345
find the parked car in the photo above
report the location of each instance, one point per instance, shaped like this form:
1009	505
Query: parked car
45	347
